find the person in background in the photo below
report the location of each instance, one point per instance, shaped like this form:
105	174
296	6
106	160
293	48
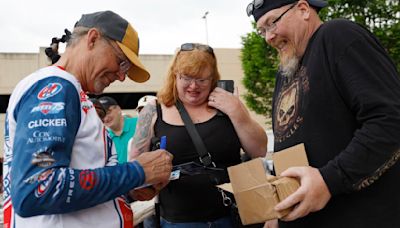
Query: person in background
121	127
60	167
101	112
337	91
143	101
194	201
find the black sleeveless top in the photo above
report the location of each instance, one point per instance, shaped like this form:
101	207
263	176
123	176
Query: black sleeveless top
195	198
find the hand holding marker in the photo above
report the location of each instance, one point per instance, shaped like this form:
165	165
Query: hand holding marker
174	174
163	145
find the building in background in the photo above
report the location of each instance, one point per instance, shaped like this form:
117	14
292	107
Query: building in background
15	66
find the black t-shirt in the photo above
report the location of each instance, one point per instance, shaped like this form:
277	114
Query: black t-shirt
195	198
344	104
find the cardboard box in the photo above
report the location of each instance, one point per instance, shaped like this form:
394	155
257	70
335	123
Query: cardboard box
257	193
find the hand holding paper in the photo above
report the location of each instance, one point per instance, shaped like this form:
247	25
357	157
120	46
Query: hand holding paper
312	195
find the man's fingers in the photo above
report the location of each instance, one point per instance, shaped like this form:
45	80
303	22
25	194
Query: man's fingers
292	172
157	165
290	201
300	210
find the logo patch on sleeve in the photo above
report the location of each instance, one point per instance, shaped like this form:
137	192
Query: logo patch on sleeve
87	179
49	107
50	90
44	180
86	105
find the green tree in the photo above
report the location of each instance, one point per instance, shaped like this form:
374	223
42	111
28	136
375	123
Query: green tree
259	61
381	17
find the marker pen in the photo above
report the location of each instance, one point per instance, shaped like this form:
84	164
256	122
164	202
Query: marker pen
163	142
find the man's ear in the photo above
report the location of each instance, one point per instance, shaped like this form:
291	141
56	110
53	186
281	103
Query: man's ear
93	36
305	9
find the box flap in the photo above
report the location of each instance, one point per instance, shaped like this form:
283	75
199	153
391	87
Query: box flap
226	187
257	205
289	157
285	186
247	175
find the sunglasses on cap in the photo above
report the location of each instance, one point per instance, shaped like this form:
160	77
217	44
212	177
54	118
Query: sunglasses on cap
192	46
253	5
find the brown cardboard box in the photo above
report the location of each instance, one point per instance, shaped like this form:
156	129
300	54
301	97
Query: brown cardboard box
257	193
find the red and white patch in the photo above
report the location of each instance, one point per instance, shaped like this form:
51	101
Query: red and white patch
49	91
85	103
49	107
45	179
87	179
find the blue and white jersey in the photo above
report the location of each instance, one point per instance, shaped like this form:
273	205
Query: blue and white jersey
60	165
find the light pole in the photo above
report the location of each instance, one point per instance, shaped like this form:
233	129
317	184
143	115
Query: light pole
205	20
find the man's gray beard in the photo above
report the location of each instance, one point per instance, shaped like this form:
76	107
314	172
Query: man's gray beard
289	68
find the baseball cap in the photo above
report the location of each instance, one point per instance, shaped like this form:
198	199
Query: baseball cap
258	8
99	107
117	28
144	101
106	102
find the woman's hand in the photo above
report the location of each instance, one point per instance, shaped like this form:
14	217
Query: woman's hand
271	224
147	193
224	101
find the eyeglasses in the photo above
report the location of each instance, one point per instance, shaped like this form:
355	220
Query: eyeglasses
253	5
187	81
192	46
271	27
124	64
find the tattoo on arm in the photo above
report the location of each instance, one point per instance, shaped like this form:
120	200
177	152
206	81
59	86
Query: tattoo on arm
144	130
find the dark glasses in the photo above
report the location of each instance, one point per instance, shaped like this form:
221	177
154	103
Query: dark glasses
202	47
253	5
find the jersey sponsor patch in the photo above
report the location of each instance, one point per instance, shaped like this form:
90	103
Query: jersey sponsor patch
71	185
85	103
45	180
43	159
60	181
44	136
62	122
87	179
49	107
50	90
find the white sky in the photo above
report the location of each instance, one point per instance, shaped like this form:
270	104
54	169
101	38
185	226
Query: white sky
163	25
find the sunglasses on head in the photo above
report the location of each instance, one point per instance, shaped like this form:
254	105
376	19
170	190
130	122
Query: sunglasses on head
192	46
253	5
